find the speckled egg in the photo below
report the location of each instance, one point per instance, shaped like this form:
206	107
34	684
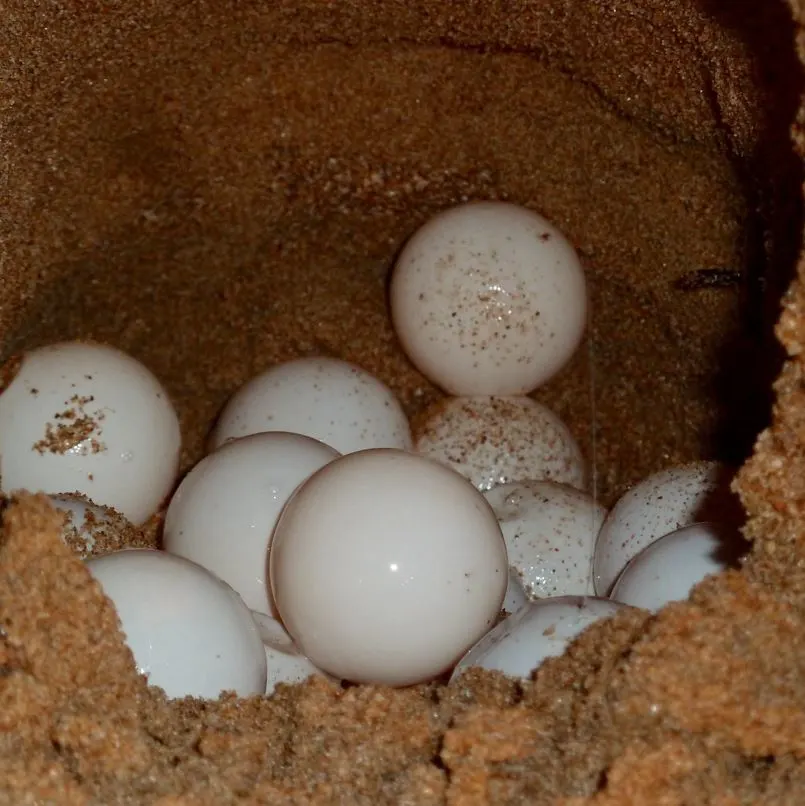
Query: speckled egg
550	531
331	400
660	504
496	440
488	298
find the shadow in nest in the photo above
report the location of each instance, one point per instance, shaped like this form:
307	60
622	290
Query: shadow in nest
751	358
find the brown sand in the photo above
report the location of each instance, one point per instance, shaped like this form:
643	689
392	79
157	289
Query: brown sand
214	187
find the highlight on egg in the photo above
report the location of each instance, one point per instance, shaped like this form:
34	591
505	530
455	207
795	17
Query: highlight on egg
488	298
386	567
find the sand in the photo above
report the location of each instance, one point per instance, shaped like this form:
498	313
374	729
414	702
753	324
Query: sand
218	187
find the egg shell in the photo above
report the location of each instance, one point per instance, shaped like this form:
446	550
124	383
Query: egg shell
284	661
519	644
386	567
669	568
497	440
331	400
550	531
88	418
488	298
662	503
189	632
224	512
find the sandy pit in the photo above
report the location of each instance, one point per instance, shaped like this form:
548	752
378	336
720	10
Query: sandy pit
216	187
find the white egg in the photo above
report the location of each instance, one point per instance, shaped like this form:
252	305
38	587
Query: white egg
82	523
669	568
284	661
189	632
224	512
496	440
488	298
660	504
333	401
515	593
519	644
386	567
88	418
550	532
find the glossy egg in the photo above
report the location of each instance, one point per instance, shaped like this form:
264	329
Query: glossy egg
386	567
488	298
224	512
669	568
88	418
190	633
331	400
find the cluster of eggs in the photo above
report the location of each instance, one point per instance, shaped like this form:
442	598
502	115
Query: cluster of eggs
318	535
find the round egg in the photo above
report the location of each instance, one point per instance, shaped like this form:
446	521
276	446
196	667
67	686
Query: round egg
223	514
284	661
88	418
488	298
519	644
662	503
189	632
386	567
669	568
331	400
550	531
496	440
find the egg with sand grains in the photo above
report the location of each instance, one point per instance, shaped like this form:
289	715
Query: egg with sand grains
87	525
189	632
386	567
488	298
88	418
331	400
225	510
498	440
